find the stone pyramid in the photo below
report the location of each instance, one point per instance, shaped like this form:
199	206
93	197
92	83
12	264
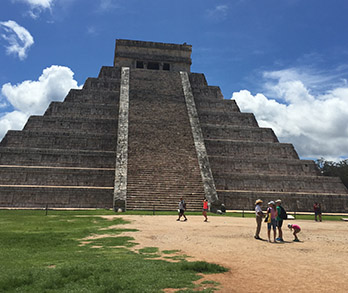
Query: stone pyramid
146	132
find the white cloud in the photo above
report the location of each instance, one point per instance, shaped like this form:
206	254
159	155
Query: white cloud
18	38
37	6
33	97
14	120
218	12
317	124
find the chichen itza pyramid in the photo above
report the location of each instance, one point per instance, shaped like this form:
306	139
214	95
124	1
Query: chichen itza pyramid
147	131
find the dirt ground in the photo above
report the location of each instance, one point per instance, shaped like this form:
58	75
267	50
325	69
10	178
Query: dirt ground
319	263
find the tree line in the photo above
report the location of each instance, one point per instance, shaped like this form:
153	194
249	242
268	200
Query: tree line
337	169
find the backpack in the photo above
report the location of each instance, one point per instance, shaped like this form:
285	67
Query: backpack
283	215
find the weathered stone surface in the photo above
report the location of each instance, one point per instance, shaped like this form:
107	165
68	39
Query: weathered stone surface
120	190
203	161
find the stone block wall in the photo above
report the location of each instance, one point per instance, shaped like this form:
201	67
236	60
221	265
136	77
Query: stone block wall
248	162
65	158
128	52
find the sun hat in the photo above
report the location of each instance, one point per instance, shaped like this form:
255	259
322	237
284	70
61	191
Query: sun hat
278	200
271	202
258	201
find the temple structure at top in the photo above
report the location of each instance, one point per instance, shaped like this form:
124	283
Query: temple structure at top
148	131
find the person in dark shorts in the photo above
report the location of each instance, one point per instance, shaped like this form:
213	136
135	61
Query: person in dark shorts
279	221
317	211
205	209
182	208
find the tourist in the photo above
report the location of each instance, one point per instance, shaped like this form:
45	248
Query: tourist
223	208
271	220
259	216
317	211
182	208
281	215
296	229
205	209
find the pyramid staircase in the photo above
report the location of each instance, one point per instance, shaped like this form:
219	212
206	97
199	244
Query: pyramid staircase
162	160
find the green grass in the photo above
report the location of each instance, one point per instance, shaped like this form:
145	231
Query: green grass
170	251
149	250
41	253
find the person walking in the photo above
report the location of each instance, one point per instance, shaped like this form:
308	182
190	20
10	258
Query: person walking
317	211
259	216
271	220
182	208
205	209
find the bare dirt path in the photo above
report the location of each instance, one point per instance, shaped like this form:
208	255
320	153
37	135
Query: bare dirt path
319	263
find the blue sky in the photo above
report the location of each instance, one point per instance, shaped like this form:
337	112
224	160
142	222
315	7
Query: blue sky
286	61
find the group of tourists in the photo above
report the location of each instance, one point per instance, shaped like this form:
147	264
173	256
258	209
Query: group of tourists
274	218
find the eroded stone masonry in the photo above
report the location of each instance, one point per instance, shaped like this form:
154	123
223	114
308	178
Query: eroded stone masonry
147	131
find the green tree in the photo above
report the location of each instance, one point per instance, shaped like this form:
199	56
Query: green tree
336	169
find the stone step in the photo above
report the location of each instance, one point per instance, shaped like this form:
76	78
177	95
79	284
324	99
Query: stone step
102	84
93	97
291	201
237	119
224	106
213	131
158	207
242	150
221	164
277	183
197	80
57	157
59	140
210	93
55	197
33	175
81	110
71	125
110	72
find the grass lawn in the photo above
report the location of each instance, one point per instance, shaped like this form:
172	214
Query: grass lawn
40	253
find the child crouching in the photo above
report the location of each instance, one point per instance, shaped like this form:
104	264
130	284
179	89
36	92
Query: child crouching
296	229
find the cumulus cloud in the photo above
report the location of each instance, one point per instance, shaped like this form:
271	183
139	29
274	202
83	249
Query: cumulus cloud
18	38
33	97
37	6
317	124
14	120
